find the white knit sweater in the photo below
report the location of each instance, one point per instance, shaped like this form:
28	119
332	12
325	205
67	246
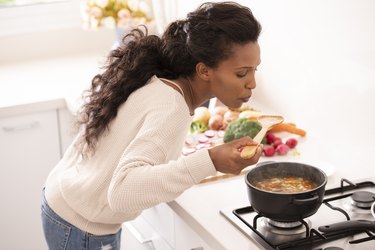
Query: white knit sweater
136	165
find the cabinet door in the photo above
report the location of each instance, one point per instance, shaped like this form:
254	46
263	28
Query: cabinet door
187	238
29	149
129	241
161	218
139	234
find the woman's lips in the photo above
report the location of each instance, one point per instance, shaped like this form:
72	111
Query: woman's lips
245	99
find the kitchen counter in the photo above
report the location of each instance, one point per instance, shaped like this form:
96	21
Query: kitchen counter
200	206
46	84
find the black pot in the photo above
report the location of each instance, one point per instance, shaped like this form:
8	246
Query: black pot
285	207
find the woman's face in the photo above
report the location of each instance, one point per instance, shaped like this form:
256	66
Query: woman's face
233	80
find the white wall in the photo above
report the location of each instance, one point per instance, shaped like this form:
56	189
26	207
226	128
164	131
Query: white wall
316	54
318	70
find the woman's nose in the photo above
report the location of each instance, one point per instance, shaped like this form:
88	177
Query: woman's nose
250	83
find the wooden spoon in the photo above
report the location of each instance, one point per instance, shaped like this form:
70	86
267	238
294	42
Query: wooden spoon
267	121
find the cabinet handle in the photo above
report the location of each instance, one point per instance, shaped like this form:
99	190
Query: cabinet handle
30	125
137	234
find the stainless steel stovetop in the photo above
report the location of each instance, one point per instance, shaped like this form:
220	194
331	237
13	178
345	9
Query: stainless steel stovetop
340	204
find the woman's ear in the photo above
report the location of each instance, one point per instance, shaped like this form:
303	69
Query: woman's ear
203	71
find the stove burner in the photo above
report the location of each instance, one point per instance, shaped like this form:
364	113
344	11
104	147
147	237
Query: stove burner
284	225
363	199
268	225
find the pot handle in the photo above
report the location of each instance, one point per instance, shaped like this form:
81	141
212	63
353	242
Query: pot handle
315	198
350	225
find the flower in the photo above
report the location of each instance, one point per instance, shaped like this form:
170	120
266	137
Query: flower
116	13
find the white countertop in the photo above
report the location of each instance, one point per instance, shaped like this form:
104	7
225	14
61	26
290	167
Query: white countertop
199	206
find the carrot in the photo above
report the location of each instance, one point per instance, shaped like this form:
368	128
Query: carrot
291	124
288	127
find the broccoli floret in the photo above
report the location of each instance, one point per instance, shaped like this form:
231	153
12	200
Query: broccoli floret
241	127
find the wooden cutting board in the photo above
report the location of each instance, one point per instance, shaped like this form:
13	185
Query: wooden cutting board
221	176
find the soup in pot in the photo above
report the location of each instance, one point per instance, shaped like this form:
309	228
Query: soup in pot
286	185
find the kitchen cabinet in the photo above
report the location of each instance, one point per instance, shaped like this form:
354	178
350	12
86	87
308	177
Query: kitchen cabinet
130	241
161	218
31	144
139	234
161	228
29	148
187	238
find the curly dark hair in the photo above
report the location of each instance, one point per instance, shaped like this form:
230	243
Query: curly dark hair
207	35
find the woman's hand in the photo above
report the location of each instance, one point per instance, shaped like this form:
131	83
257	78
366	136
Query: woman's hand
227	159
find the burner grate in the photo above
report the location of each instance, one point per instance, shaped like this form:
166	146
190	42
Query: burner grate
313	237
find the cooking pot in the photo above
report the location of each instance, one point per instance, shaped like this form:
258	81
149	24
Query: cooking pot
285	207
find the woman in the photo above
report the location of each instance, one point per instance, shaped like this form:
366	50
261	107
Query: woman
127	156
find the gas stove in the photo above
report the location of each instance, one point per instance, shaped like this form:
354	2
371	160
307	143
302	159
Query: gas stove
348	201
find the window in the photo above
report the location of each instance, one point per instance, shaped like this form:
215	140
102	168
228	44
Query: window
24	16
13	3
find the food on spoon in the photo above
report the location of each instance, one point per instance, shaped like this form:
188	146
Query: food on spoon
248	151
241	127
286	185
288	127
265	121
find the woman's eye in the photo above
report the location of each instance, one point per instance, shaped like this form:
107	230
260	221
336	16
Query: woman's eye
241	74
245	73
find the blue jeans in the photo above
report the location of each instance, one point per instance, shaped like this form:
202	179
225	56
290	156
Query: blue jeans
61	235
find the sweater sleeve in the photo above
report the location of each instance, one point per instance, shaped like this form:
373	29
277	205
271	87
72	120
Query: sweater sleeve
149	172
